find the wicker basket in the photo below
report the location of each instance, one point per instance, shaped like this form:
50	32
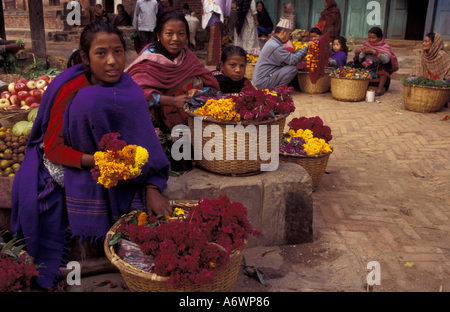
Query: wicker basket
234	166
142	281
424	99
321	86
315	165
8	117
349	90
250	68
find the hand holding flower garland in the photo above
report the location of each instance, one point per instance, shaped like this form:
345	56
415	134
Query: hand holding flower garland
119	161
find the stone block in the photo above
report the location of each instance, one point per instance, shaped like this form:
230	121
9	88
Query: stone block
279	203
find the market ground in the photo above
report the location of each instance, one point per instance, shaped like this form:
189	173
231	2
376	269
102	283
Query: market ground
384	198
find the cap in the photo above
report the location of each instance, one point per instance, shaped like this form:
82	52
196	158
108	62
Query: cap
285	23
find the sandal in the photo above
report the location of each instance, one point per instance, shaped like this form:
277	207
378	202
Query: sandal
379	93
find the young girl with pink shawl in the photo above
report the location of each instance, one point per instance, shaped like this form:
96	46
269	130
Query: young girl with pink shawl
377	57
168	79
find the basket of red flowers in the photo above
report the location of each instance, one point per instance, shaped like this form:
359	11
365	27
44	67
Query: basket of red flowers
306	144
198	249
241	123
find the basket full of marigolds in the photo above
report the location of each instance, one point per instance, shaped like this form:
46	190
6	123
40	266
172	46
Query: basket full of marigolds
198	249
306	144
244	125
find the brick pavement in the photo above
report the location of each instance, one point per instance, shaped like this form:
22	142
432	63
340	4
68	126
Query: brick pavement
385	198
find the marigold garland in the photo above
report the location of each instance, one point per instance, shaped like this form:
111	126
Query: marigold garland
118	162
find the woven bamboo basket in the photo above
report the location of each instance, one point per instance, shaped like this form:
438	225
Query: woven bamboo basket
8	117
238	164
142	281
315	165
250	68
424	99
349	90
321	86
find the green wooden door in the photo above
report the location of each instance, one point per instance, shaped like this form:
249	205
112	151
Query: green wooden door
397	19
442	19
361	15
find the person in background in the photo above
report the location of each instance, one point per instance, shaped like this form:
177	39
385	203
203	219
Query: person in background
338	57
377	57
215	15
7	46
330	20
231	70
144	20
170	73
186	9
245	32
276	66
54	195
167	5
314	33
122	18
265	24
100	14
433	58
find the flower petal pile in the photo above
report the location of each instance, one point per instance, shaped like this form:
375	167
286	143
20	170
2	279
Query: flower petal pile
219	227
351	73
118	161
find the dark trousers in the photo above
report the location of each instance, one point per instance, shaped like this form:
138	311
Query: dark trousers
145	37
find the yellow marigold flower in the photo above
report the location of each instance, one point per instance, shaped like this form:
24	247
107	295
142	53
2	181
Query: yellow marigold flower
142	218
221	109
178	212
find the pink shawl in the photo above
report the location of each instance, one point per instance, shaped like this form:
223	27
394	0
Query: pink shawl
154	73
383	47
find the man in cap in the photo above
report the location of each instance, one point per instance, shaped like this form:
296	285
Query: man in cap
276	66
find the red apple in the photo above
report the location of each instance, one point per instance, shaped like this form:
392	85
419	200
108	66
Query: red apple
4	103
25	107
13	107
11	86
23	95
40	84
34	105
30	100
36	93
44	77
20	86
22	80
14	99
31	84
5	95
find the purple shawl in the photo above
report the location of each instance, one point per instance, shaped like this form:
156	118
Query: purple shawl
39	204
340	57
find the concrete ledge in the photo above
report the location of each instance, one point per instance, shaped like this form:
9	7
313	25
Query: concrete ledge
279	203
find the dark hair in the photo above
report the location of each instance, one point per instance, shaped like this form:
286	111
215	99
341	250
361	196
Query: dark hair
88	35
376	31
315	30
278	29
231	50
186	6
431	36
343	43
165	17
262	3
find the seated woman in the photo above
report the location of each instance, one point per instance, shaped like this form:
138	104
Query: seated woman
376	56
230	72
54	194
433	59
169	73
265	24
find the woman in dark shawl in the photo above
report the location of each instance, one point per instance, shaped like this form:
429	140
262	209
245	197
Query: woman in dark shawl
330	20
265	24
54	194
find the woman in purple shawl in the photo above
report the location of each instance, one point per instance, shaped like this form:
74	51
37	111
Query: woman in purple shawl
47	211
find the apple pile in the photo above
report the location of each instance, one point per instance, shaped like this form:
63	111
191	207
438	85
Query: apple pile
24	94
